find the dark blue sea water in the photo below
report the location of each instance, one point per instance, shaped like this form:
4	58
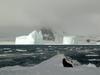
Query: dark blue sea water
23	55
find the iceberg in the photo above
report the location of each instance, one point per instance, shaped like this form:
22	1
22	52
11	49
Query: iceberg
34	37
68	40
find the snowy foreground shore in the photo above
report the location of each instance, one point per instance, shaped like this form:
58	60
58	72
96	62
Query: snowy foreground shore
52	66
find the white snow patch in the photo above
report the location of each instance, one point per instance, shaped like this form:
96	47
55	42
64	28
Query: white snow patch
91	65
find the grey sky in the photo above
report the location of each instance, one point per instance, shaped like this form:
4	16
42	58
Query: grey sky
76	17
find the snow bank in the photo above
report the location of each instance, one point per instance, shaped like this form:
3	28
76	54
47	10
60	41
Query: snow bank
52	66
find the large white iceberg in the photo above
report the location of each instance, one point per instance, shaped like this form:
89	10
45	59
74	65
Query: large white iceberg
34	37
68	40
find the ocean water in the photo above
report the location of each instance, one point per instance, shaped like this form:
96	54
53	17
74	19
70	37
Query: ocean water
27	55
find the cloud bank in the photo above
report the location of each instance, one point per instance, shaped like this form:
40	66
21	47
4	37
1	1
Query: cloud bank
75	17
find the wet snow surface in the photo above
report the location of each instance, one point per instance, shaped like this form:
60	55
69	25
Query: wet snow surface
52	66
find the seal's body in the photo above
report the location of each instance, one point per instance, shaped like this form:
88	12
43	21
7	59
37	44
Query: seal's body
66	64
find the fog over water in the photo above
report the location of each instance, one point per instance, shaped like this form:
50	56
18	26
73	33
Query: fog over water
75	17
